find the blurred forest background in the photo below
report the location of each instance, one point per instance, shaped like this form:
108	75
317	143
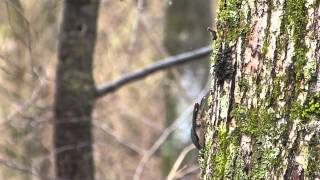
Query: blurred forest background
145	124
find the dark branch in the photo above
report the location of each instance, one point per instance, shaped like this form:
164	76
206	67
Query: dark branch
159	65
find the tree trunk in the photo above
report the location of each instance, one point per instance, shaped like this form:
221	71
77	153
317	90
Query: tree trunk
75	91
265	101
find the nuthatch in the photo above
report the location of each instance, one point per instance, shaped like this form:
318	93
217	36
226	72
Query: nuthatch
199	123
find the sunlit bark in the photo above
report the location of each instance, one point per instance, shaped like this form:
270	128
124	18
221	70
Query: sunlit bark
265	100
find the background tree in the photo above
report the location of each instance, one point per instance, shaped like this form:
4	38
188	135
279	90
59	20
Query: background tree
264	115
75	91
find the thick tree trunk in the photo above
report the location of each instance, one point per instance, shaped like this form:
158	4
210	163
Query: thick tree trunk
75	91
265	100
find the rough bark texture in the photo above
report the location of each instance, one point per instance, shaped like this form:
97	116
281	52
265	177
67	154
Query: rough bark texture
75	91
265	100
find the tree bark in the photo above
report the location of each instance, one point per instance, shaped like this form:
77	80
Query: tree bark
265	97
75	91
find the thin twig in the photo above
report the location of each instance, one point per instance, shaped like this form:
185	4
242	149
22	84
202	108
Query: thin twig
160	65
28	103
183	172
25	23
134	34
135	116
178	162
121	140
18	167
154	40
165	134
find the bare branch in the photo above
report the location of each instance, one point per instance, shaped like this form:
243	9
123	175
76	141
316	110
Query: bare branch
28	103
159	65
121	140
138	117
19	24
19	167
133	38
165	134
178	162
186	171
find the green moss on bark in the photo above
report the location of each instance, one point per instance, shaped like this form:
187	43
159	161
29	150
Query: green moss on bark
276	118
231	21
313	170
298	19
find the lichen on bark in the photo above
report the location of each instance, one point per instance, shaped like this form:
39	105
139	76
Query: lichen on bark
271	128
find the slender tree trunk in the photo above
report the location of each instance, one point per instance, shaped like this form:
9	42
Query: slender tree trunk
265	101
75	91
